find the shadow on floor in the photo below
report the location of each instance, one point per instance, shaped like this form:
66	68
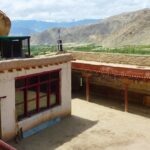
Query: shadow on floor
53	137
133	108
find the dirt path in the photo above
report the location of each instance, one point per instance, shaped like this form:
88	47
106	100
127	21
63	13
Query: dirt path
93	127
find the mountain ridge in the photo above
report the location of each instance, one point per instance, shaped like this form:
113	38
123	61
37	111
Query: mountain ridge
29	27
130	28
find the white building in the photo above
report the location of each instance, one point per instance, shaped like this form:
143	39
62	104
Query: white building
32	91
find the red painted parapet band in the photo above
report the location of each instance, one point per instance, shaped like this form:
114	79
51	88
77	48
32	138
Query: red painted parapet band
5	146
116	71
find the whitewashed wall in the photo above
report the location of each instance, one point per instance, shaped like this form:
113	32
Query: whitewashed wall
9	124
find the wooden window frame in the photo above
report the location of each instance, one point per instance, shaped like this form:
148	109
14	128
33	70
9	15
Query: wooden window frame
37	86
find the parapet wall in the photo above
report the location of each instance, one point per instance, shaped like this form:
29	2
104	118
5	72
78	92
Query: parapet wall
113	58
34	62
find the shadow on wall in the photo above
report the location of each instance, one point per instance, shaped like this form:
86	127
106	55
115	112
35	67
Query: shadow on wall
53	137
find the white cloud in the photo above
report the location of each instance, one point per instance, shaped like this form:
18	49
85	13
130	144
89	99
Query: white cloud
63	10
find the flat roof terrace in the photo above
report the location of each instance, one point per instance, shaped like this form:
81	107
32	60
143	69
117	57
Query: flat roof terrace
119	66
27	63
123	70
92	127
127	59
130	66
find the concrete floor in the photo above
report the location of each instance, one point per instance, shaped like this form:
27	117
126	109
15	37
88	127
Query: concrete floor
101	125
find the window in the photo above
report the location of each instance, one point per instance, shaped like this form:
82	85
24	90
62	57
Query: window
37	92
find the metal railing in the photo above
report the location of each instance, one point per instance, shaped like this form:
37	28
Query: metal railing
5	146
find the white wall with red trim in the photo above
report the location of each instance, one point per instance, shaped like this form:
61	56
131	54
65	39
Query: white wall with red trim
9	123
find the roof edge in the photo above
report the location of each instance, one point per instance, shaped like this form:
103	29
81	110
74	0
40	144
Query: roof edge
34	62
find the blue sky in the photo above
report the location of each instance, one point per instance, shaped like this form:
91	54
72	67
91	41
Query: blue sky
66	10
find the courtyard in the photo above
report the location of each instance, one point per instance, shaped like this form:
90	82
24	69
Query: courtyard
95	125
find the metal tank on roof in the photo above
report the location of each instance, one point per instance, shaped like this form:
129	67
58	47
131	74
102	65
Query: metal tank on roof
5	24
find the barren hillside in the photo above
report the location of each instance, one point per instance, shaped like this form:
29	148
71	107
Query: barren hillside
131	28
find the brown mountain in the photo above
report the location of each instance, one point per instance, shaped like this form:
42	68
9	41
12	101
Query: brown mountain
131	28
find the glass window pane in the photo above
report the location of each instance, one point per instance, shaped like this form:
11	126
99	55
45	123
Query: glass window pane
43	95
53	92
54	75
31	93
43	89
32	80
19	83
32	106
44	77
52	99
19	103
20	110
53	86
19	96
43	102
31	97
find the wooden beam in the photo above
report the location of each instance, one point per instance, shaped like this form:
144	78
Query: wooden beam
40	66
87	82
126	97
19	69
133	73
25	102
38	97
27	68
2	71
28	41
87	89
126	83
10	70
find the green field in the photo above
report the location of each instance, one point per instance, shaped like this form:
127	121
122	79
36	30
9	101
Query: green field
42	49
140	49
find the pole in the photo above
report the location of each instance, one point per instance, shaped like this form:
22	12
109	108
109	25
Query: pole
87	88
126	97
